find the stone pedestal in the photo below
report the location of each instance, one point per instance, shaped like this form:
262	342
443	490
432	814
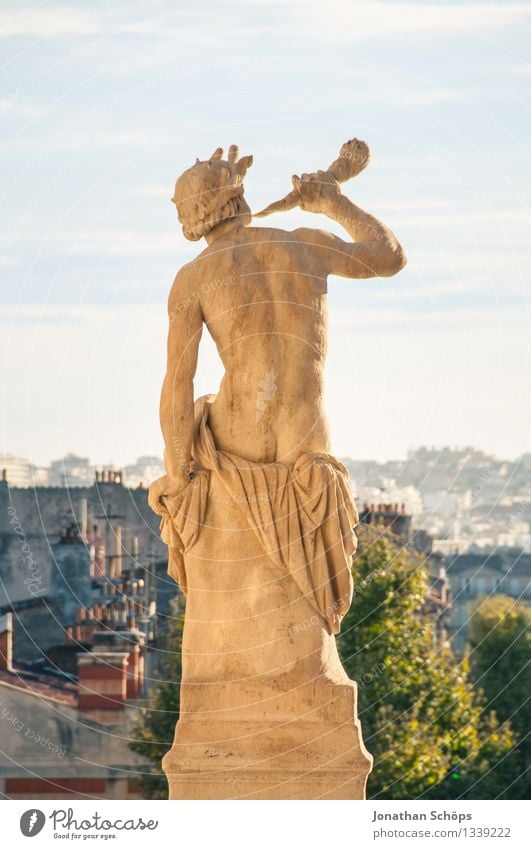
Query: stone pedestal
267	710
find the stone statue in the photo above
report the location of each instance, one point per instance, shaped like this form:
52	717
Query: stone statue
257	514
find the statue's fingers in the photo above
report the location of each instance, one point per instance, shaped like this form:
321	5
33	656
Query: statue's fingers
346	147
233	153
154	493
218	153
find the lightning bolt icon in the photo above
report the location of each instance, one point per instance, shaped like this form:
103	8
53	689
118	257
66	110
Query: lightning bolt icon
32	821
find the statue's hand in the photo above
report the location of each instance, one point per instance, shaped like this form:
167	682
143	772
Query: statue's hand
315	192
166	486
354	156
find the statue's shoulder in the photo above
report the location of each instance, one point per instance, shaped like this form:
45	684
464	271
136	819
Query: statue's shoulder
184	283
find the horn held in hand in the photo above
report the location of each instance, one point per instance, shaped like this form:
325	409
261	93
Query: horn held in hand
353	157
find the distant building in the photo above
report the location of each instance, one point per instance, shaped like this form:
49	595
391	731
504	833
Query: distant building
472	576
109	534
64	736
444	503
393	518
390	492
16	470
144	471
447	547
71	471
77	638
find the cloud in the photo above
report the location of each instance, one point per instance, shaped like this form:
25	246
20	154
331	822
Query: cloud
10	107
336	19
400	320
49	22
349	19
106	241
430	291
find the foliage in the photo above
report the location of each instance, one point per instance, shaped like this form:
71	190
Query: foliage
500	648
153	734
422	720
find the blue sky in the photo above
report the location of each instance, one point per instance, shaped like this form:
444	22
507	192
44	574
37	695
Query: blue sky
104	104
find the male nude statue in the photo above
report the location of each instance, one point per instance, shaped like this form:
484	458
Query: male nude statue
261	292
257	514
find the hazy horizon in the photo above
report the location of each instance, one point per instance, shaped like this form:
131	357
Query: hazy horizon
355	458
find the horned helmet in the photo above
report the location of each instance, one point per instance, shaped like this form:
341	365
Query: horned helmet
211	191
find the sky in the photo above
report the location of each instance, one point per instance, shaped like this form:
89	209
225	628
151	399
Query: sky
104	104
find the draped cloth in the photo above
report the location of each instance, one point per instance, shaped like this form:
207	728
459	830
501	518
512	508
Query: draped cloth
303	516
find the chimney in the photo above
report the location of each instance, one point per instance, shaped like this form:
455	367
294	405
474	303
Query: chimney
6	642
83	518
102	676
116	563
133	640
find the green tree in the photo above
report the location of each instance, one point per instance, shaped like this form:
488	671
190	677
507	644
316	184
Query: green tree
153	733
421	718
500	649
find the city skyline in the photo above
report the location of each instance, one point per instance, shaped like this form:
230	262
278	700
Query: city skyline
110	463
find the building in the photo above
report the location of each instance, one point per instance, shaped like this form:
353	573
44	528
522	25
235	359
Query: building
17	470
144	471
65	736
71	471
78	602
115	525
83	592
393	519
475	575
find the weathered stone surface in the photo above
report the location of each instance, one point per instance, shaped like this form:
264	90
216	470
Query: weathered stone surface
256	512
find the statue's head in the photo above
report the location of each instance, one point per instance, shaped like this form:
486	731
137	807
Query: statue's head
211	192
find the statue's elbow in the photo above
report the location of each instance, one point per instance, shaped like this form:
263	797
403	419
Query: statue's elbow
397	260
401	259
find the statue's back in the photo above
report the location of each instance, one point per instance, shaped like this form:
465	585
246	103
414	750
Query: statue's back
265	308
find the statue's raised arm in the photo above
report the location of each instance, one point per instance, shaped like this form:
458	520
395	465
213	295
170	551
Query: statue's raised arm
374	251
